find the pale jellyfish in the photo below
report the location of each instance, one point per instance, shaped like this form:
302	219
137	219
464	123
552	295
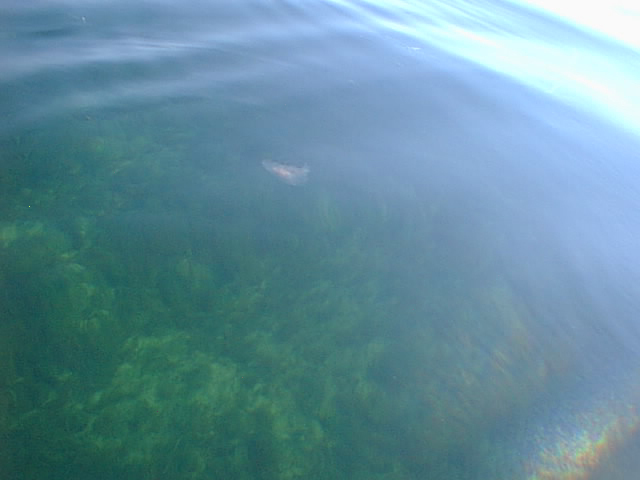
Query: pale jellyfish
287	173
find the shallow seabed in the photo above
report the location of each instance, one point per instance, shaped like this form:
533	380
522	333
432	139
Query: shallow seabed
236	254
170	319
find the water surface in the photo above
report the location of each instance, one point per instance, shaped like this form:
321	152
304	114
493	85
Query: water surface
451	292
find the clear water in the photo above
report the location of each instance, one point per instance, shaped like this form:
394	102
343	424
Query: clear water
451	292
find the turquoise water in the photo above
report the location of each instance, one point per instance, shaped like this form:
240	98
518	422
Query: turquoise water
435	277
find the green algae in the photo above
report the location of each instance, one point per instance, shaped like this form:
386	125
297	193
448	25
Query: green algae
183	324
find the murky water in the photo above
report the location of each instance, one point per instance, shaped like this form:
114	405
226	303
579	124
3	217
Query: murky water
327	239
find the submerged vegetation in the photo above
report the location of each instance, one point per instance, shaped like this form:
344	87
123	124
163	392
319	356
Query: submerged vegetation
171	312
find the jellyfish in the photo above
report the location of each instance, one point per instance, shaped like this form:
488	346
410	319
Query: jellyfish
287	173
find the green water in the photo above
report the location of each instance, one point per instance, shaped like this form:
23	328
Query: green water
173	311
451	295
